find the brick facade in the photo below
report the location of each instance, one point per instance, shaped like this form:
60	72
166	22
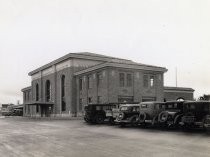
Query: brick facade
90	78
174	93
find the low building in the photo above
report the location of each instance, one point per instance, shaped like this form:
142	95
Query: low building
178	93
6	109
64	86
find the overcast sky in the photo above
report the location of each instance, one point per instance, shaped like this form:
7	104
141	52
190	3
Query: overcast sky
158	32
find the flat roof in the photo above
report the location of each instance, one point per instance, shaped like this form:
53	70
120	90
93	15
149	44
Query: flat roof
178	88
81	55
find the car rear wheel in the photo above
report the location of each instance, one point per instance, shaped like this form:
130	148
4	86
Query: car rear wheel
99	119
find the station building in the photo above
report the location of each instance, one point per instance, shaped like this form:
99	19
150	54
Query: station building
64	86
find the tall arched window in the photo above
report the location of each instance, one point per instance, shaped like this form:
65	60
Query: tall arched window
48	91
63	101
37	92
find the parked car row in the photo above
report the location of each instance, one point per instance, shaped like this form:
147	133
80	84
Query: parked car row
185	114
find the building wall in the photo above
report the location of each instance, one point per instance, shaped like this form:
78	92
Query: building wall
54	74
174	95
110	90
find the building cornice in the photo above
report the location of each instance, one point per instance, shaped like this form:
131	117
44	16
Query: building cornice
85	55
26	88
135	66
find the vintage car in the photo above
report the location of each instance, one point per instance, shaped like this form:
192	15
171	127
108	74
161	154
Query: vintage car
172	114
149	112
98	113
196	114
128	114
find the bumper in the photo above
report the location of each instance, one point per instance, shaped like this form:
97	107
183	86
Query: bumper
206	125
122	121
196	124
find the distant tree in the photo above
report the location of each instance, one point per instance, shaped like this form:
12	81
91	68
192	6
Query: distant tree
204	97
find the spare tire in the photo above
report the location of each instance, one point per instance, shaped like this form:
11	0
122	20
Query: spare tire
142	117
121	116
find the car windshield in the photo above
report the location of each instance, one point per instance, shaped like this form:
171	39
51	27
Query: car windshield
124	108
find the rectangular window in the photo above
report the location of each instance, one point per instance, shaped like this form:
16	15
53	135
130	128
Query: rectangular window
145	81
99	79
90	82
129	80
100	99
151	81
37	108
80	84
144	106
90	100
122	79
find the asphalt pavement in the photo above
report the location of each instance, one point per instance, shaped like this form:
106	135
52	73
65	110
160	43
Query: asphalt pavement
23	137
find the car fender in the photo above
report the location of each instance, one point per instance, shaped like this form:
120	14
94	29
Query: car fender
177	117
155	120
134	116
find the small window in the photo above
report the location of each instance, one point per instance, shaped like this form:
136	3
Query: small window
90	100
63	105
37	92
136	109
124	108
129	80
37	108
63	86
80	84
99	79
144	106
170	106
157	106
151	81
191	106
48	91
122	79
99	99
90	82
145	81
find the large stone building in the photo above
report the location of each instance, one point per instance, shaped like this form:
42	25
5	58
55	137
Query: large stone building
64	86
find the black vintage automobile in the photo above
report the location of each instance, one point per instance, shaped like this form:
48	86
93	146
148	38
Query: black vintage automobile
98	113
128	114
149	112
196	114
172	114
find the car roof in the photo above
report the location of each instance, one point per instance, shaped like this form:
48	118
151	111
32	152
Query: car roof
152	102
174	101
197	102
130	105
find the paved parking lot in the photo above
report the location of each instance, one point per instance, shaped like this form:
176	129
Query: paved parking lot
22	137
